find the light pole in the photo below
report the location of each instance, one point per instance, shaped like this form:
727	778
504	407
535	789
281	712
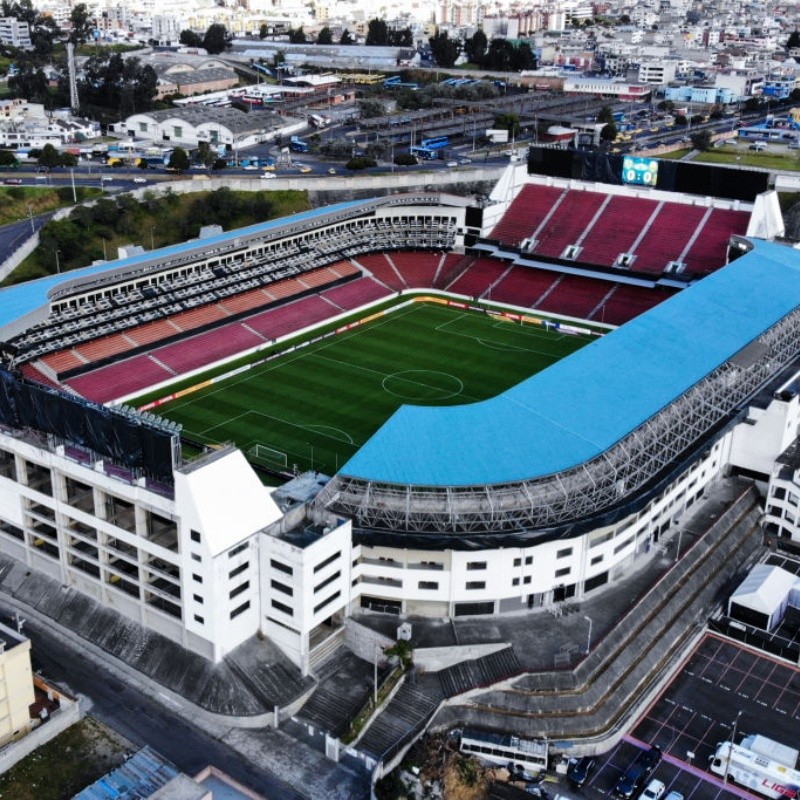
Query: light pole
375	676
730	748
30	217
589	635
152	238
58	265
74	193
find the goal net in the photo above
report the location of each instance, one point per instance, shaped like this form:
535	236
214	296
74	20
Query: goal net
268	456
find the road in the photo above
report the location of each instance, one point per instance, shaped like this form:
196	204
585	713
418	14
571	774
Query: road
141	720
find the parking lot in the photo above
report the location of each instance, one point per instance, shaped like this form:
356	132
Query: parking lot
697	710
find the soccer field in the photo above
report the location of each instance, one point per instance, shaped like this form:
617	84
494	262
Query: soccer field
316	406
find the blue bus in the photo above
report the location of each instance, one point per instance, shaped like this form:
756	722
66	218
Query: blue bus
435	143
297	145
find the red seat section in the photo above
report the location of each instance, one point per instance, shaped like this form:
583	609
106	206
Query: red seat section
356	293
617	228
283	289
710	249
525	214
667	236
478	277
152	331
627	302
568	223
292	317
523	286
119	379
383	270
205	348
33	373
62	361
343	269
104	348
576	296
246	301
188	320
418	267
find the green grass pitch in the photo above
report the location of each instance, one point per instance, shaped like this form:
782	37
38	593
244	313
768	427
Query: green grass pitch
316	406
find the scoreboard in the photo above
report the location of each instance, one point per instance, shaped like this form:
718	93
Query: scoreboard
639	171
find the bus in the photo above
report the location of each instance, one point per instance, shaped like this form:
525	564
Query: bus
755	772
435	143
297	145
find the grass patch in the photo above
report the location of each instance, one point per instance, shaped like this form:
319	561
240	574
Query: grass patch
750	158
66	765
316	406
94	233
674	155
17	201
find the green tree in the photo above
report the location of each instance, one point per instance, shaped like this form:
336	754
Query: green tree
475	47
262	31
701	140
346	38
608	132
522	57
371	108
444	49
178	160
8	159
680	120
508	122
80	24
325	36
793	40
297	35
605	114
190	38
31	84
216	38
401	38
377	33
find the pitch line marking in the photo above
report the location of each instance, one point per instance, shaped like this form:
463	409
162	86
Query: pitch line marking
401	378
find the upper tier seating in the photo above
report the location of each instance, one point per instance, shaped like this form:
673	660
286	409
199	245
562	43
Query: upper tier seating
478	277
616	230
568	223
525	213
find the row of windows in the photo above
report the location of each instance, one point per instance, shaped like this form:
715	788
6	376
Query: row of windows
327	561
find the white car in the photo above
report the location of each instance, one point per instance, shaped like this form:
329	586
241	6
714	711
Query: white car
265	176
140	180
653	790
673	795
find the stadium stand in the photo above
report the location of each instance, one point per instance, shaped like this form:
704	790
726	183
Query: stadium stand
197	317
418	269
526	213
523	286
104	348
616	230
709	249
205	348
478	277
571	218
62	361
247	301
289	318
627	302
383	270
119	379
575	296
356	293
667	236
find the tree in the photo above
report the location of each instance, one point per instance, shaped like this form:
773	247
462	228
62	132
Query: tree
49	157
346	37
666	105
608	132
371	108
325	36
475	47
680	120
522	57
508	122
377	33
216	38
701	140
605	114
30	84
81	28
262	31
444	49
401	38
190	38
122	84
178	160
8	159
794	40
297	35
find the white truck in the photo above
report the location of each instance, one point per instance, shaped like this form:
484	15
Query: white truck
769	748
756	772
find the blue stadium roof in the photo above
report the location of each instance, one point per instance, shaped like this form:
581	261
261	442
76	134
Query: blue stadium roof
582	405
17	301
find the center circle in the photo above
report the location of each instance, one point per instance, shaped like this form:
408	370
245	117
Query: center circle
421	385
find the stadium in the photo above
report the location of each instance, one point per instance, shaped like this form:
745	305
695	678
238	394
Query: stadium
474	405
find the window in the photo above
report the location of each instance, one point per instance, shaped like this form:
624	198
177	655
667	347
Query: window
327	581
242	587
282	607
196	557
622	545
327	561
526	579
476	584
198	618
238	570
515	582
517	562
528	560
197	578
195	536
428	585
596	560
240	610
326	602
476	565
285	568
197	599
142	127
567	551
282	587
560	573
240	548
177	131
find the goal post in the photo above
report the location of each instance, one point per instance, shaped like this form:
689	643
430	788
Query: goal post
268	456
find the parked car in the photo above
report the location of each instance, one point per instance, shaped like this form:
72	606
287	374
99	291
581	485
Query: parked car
628	785
12	181
140	180
651	759
267	175
673	795
580	768
653	790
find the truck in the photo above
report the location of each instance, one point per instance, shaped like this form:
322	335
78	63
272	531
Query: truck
319	120
771	749
497	135
755	771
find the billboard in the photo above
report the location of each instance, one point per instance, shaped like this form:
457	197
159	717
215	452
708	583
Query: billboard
639	171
